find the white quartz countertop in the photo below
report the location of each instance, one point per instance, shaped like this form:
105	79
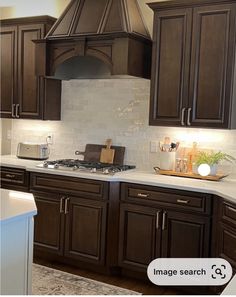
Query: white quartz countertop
225	188
14	204
230	288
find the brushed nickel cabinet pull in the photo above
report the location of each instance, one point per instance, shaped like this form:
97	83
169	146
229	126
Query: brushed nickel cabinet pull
61	204
66	205
188	119
182	116
17	111
158	219
183	201
232	209
13	110
164	220
10	175
143	195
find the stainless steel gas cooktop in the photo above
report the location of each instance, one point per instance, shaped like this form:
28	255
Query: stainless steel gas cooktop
92	167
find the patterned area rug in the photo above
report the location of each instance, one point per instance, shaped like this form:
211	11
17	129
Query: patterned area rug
48	281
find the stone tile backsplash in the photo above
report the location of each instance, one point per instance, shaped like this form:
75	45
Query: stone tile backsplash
94	110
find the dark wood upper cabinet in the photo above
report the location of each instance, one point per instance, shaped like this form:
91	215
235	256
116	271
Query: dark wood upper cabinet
193	64
212	65
170	68
23	94
8	69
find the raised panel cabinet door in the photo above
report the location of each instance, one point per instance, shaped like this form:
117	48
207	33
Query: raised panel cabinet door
227	243
170	67
8	54
28	83
211	66
49	223
85	235
139	236
185	235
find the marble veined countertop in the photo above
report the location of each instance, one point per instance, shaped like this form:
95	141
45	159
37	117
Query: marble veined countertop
225	188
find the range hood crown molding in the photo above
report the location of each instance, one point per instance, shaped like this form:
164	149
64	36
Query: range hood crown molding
107	17
112	31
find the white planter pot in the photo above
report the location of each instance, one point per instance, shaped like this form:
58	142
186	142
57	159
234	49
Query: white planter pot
214	169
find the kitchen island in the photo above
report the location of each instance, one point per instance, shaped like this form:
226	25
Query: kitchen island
17	210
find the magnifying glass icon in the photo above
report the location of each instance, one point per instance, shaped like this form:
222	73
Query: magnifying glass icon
218	271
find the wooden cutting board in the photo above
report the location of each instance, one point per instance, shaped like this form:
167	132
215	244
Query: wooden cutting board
93	151
107	154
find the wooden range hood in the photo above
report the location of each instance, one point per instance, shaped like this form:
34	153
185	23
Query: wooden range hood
112	31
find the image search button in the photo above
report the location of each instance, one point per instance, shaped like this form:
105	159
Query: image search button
189	271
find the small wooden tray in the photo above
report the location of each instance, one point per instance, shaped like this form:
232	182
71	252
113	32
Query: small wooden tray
217	177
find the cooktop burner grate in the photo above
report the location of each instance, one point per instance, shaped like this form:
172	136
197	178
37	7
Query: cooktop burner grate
93	167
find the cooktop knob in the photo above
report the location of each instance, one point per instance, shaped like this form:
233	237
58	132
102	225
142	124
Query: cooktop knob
106	171
45	164
93	170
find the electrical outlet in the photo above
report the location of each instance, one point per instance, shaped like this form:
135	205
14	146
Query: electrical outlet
154	146
49	138
8	134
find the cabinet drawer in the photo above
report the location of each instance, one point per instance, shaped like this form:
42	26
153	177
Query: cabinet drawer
12	178
228	212
69	185
184	200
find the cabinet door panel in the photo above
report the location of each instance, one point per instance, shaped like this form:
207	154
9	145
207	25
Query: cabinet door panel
211	65
86	230
185	236
49	224
139	239
8	69
227	243
170	70
28	82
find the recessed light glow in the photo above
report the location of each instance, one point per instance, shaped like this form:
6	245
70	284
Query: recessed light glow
204	169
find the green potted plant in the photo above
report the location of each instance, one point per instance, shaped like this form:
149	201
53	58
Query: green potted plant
212	159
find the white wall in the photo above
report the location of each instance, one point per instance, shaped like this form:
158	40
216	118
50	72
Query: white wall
93	110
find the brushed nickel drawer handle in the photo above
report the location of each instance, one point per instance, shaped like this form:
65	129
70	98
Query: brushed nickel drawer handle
164	221
182	116
13	110
183	201
17	111
66	205
143	195
61	204
10	175
188	119
158	219
231	209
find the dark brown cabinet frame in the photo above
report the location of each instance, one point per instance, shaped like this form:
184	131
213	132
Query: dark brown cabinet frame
193	64
132	229
157	222
24	94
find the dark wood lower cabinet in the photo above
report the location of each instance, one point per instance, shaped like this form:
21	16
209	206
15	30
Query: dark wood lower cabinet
140	237
226	232
14	179
147	233
227	244
185	235
85	235
49	223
